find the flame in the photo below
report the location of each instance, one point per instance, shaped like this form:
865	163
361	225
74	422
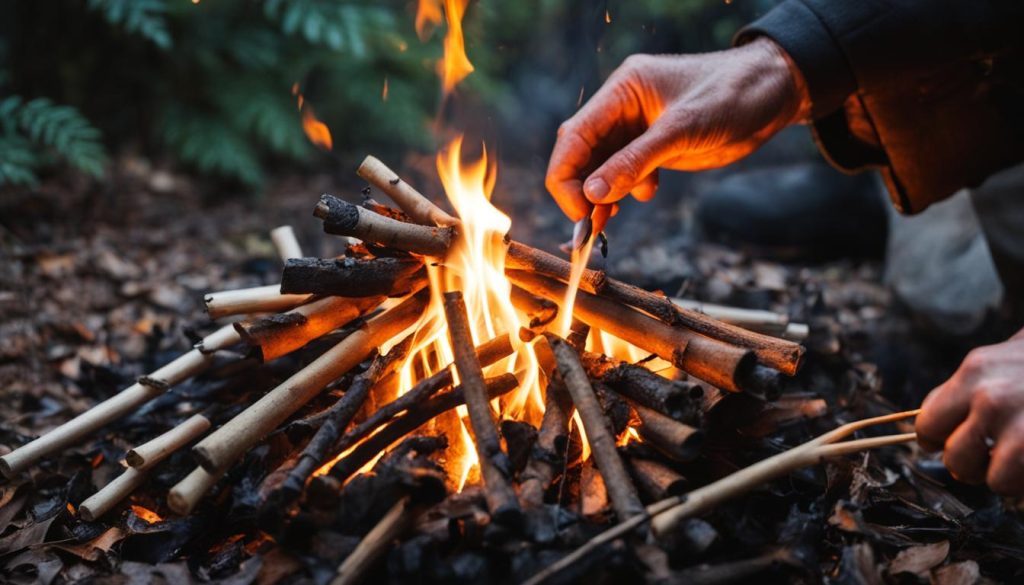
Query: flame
317	132
384	92
630	435
607	16
428	16
146	514
455	65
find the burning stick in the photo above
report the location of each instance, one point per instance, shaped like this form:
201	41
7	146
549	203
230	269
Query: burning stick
548	456
677	399
158	448
418	207
338	417
276	335
778	353
410	421
103	501
673	438
723	365
184	496
495	466
261	299
224	446
344	219
286	243
669	512
352	277
602	442
117	406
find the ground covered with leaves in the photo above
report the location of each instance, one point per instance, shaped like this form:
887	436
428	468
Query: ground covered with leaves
102	284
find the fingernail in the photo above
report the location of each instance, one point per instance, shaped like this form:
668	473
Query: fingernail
596	189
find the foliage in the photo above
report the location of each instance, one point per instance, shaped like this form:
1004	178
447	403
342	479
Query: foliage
142	17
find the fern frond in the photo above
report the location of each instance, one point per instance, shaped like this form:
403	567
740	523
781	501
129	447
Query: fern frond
210	145
143	17
64	130
336	25
18	162
264	111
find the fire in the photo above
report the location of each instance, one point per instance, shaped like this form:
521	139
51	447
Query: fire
317	132
428	16
455	65
146	514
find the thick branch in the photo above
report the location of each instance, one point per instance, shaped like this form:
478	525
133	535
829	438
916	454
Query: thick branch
344	219
673	438
352	277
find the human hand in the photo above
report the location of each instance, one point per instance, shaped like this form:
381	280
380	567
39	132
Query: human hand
683	112
978	415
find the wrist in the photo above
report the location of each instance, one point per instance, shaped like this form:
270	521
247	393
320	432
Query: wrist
797	98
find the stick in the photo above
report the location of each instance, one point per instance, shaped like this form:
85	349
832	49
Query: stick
409	422
548	456
185	495
677	399
352	277
723	365
495	466
673	438
418	207
222	447
338	417
103	501
286	243
778	353
621	491
657	481
276	335
398	519
158	448
540	311
261	299
767	322
766	470
115	407
344	219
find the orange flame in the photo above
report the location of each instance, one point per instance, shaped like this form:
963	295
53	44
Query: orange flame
455	65
428	16
384	92
146	514
317	132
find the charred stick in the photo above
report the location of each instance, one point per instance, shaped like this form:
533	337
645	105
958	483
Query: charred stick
602	442
286	243
548	457
723	365
409	422
344	219
495	466
676	440
540	311
657	481
221	448
276	335
488	353
117	406
675	398
103	501
352	277
338	417
260	299
187	493
778	353
418	207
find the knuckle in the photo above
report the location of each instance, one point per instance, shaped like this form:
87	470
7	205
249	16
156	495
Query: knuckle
989	401
976	361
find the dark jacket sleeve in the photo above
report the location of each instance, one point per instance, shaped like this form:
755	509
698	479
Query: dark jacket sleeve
939	83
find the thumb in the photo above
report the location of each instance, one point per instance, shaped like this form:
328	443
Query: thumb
627	167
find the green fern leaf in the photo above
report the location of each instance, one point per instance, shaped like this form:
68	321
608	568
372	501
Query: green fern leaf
211	146
17	162
64	130
143	17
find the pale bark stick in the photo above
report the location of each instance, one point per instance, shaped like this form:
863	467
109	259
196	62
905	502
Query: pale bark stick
115	407
260	299
187	493
495	466
412	202
276	335
286	243
376	542
158	448
103	501
344	219
620	487
221	448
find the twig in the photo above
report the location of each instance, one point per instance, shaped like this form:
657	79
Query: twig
418	207
736	484
352	277
103	501
158	448
344	219
621	490
675	398
657	481
398	519
276	335
286	243
260	299
548	456
673	438
495	466
184	496
117	406
221	448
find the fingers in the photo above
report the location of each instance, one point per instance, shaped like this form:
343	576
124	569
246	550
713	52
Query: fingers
942	411
1006	472
568	158
629	166
966	454
646	188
